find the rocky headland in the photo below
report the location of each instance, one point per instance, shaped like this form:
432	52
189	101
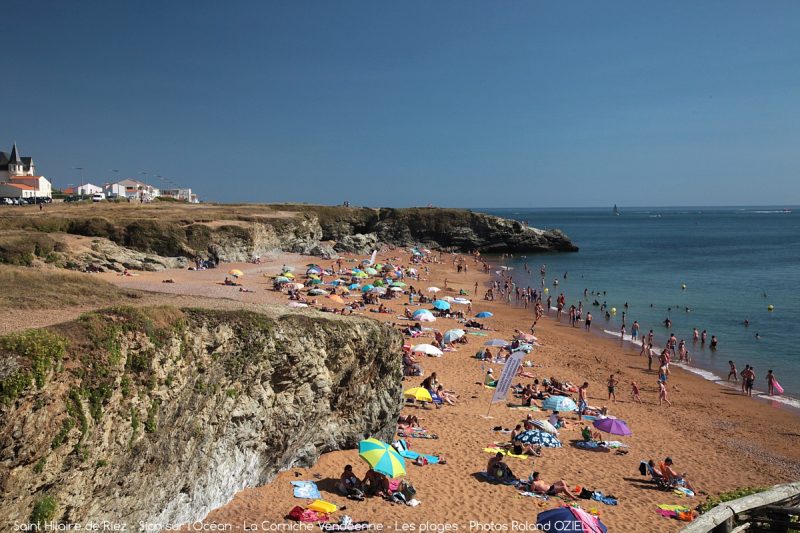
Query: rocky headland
162	414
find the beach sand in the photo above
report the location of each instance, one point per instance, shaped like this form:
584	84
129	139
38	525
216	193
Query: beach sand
721	439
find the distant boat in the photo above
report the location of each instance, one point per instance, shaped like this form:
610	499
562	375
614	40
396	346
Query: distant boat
616	211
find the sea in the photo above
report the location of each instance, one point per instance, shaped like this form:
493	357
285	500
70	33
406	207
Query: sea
709	268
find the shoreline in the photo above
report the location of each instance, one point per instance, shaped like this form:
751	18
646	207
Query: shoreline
709	430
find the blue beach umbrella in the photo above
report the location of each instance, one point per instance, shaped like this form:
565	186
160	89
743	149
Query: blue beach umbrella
559	403
538	437
441	305
353	286
484	314
453	335
281	279
365	288
419	312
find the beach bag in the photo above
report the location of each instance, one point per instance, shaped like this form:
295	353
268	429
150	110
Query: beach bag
643	468
408	490
296	513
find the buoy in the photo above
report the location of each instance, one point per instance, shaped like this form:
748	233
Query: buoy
683	286
613	310
770	307
546	290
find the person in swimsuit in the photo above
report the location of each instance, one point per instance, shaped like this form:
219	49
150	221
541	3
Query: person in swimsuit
662	393
733	373
770	382
750	380
559	487
635	392
612	387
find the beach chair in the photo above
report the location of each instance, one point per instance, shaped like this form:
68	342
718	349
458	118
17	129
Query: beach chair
655	476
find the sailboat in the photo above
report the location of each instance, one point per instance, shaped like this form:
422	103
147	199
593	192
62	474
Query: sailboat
616	211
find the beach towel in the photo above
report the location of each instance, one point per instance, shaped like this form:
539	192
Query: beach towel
411	455
477	333
505	452
683	491
491	479
522	407
608	500
534	495
306	489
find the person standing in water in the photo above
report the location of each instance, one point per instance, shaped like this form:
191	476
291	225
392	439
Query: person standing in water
770	383
750	380
635	331
695	335
703	337
733	374
588	322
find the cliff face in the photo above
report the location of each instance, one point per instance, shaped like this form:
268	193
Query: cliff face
160	415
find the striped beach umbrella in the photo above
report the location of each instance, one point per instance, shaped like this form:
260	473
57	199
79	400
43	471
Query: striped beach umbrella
382	458
559	403
538	437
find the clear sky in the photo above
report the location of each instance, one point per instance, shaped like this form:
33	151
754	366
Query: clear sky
460	103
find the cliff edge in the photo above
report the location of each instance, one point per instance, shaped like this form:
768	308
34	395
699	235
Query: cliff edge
160	414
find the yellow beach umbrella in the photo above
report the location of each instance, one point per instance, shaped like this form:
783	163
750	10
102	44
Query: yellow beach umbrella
236	273
420	394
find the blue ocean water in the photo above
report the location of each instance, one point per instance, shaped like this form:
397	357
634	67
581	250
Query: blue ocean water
735	262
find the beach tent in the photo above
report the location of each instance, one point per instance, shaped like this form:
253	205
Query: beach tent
569	520
382	458
538	437
559	403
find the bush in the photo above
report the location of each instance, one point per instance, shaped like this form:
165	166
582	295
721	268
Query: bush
729	496
41	347
44	510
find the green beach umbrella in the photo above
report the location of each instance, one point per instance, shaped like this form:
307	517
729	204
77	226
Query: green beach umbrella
382	458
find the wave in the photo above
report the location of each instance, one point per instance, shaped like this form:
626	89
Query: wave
771	211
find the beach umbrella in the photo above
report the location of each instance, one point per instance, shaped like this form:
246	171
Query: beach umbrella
297	304
462	301
569	520
395	289
371	271
420	394
236	273
317	292
484	314
447	298
382	458
496	342
538	437
315	270
434	289
420	312
288	275
398	284
427	349
559	403
336	298
313	265
366	288
313	276
545	426
425	318
441	305
316	281
377	290
527	337
360	274
453	335
281	279
295	286
614	426
353	286
379	283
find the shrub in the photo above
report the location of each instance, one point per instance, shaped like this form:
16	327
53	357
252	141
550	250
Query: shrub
728	496
44	510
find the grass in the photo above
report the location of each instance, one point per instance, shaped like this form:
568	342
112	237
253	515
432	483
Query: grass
44	511
26	288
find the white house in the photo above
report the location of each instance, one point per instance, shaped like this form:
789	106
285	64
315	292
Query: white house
138	190
16	170
114	190
184	195
14	190
87	189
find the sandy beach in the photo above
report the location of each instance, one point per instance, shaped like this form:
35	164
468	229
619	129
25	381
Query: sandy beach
721	439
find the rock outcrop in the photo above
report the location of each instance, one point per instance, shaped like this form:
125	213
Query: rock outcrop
160	415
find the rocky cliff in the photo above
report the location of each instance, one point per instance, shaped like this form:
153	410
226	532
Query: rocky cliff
158	237
160	415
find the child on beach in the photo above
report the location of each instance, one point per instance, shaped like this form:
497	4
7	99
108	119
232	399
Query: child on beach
635	392
733	374
612	387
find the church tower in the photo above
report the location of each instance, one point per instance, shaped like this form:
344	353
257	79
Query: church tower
15	166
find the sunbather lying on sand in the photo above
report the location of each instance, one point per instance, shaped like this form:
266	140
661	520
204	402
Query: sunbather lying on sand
559	487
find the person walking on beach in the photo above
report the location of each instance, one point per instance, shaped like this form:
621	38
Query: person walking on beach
649	358
635	392
733	374
750	380
582	404
662	393
612	387
588	322
635	331
770	383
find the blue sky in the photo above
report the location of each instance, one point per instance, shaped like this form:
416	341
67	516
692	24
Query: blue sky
461	103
